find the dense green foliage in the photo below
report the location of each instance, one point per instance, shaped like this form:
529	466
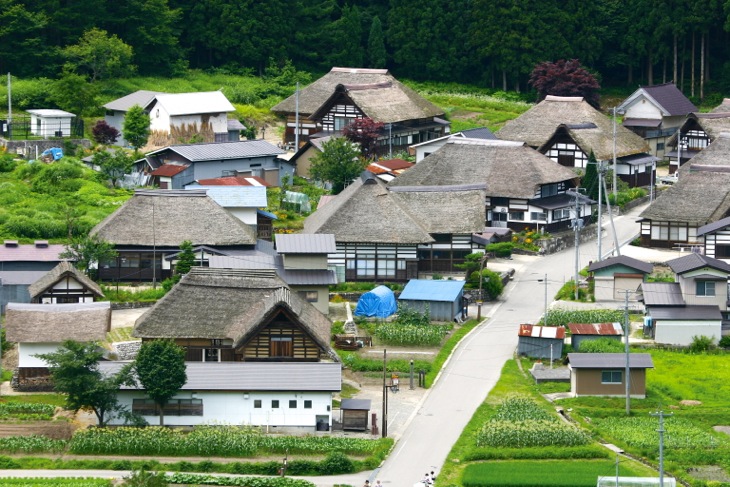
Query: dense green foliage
161	370
136	129
26	411
41	201
55	482
561	317
489	42
339	163
601	345
197	479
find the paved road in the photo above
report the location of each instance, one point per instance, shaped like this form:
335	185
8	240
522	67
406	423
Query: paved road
468	376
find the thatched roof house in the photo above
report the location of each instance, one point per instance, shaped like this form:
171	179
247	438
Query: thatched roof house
167	218
699	197
509	169
238	308
345	94
723	107
593	129
368	211
382	97
64	281
55	323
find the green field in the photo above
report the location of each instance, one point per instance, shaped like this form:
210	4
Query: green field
548	473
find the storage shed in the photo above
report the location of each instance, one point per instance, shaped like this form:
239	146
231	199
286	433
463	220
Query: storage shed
580	332
603	374
442	298
47	122
541	341
380	302
354	414
616	275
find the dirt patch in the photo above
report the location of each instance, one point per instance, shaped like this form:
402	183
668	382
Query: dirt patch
58	430
690	402
709	473
722	429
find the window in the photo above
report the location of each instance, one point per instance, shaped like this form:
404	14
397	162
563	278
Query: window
293	404
342	122
365	267
257	403
611	376
669	231
537	216
499	216
174	407
548	190
211	355
566	158
561	214
281	347
517	216
275	404
307	404
310	296
386	268
660	146
705	288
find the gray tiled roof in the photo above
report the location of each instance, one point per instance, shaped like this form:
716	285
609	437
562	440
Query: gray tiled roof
694	261
609	360
624	260
306	243
15	278
670	98
139	97
478	133
693	312
223	150
254	376
711	227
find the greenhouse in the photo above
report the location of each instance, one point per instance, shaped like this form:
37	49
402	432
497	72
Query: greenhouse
634	482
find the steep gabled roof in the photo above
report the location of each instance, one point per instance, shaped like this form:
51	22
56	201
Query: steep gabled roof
169	217
193	103
54	323
713	124
378	94
61	271
698	197
692	261
714	226
509	169
623	260
230	304
538	124
139	97
666	97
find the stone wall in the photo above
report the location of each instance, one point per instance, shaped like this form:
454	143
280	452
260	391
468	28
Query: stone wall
133	305
27	148
566	240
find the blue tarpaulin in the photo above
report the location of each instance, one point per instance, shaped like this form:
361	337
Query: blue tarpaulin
55	153
379	302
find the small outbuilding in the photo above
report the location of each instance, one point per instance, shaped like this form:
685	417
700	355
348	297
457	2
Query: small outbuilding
541	341
354	414
616	275
443	299
581	332
65	284
604	374
48	122
380	303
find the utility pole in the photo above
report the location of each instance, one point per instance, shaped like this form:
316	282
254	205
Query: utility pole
661	430
10	101
384	415
610	217
546	307
600	214
479	298
615	185
577	224
296	120
627	332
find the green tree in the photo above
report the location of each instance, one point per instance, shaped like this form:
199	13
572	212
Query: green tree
75	372
100	55
136	127
590	178
347	42
185	260
339	163
472	263
88	251
491	283
160	368
113	165
21	38
376	45
74	93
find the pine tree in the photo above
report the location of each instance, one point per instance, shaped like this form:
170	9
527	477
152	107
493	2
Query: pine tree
376	45
590	179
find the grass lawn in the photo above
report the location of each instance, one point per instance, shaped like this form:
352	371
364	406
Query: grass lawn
51	398
120	335
579	473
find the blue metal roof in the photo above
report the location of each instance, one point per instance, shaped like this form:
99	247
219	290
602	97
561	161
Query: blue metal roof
428	290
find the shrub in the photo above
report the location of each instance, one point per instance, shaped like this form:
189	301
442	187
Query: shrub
336	463
725	341
701	344
601	345
501	249
104	133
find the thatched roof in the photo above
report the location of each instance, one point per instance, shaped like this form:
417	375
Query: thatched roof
538	124
61	271
55	323
378	94
699	196
712	123
366	211
509	169
229	304
168	217
723	107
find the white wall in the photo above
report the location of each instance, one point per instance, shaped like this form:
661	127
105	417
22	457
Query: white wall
681	332
643	108
237	408
159	118
117	121
246	215
27	350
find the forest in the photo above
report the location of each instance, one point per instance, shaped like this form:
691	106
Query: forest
489	43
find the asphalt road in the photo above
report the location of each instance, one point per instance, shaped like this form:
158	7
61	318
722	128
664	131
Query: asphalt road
467	377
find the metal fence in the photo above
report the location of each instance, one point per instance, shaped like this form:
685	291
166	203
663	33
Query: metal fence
21	129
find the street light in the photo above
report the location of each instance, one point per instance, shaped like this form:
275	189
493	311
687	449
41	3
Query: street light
545	280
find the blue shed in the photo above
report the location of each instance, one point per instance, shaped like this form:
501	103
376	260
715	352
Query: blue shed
379	302
443	298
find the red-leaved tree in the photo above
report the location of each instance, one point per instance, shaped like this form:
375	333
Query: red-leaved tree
104	133
565	77
364	131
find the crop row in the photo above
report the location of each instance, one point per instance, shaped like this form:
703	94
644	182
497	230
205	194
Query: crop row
31	444
58	482
22	410
561	317
640	432
228	441
198	479
415	335
520	408
529	433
